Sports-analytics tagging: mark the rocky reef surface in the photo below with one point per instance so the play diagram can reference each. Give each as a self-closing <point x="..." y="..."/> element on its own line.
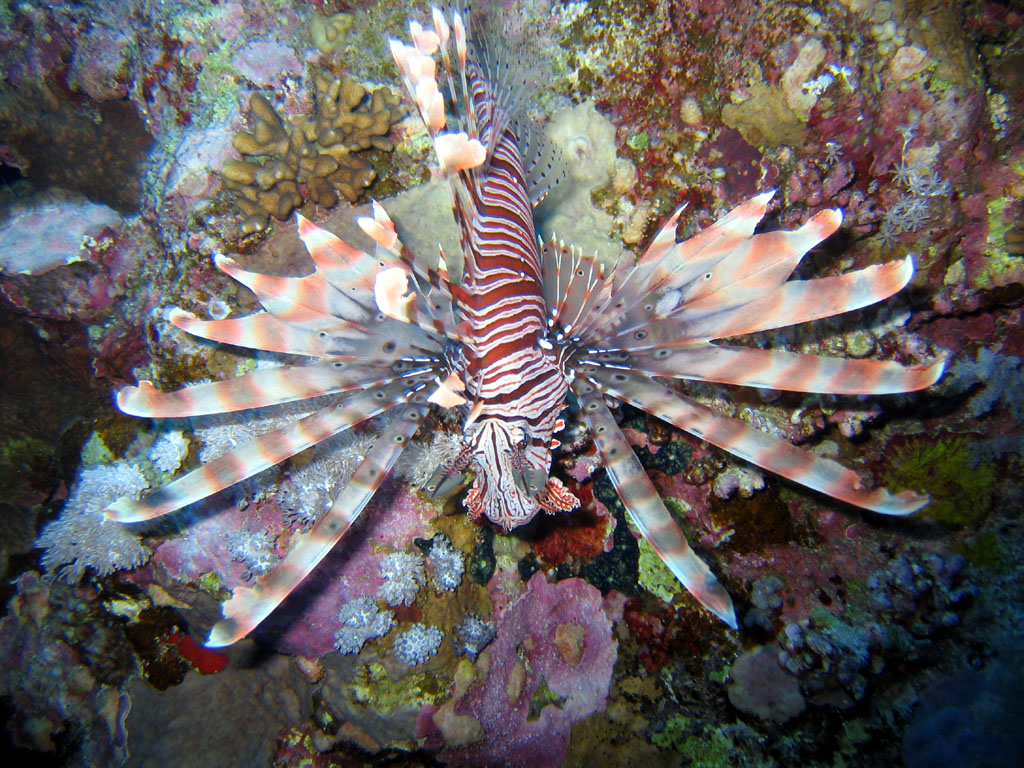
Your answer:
<point x="131" y="151"/>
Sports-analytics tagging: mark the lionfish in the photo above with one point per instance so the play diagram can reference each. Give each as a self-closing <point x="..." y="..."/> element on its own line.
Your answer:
<point x="529" y="322"/>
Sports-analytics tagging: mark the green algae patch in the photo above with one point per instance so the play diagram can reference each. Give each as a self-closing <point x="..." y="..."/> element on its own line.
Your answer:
<point x="373" y="687"/>
<point x="960" y="494"/>
<point x="716" y="750"/>
<point x="984" y="550"/>
<point x="655" y="576"/>
<point x="543" y="697"/>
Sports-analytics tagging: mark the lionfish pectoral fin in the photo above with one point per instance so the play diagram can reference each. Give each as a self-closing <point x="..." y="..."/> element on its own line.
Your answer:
<point x="755" y="446"/>
<point x="447" y="393"/>
<point x="390" y="292"/>
<point x="646" y="510"/>
<point x="780" y="369"/>
<point x="250" y="458"/>
<point x="444" y="482"/>
<point x="249" y="606"/>
<point x="557" y="498"/>
<point x="536" y="480"/>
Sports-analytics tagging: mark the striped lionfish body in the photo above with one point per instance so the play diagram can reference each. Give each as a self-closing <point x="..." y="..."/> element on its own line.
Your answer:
<point x="516" y="382"/>
<point x="505" y="345"/>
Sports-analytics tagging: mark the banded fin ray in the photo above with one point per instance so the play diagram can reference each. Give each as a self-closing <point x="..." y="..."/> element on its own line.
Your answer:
<point x="646" y="509"/>
<point x="662" y="269"/>
<point x="256" y="389"/>
<point x="757" y="447"/>
<point x="753" y="268"/>
<point x="249" y="606"/>
<point x="573" y="284"/>
<point x="774" y="369"/>
<point x="796" y="301"/>
<point x="264" y="331"/>
<point x="313" y="294"/>
<point x="265" y="451"/>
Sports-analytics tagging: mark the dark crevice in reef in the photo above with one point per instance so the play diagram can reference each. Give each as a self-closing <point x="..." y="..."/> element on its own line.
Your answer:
<point x="69" y="141"/>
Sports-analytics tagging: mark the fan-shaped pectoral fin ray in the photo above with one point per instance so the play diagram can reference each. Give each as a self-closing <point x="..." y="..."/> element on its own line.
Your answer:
<point x="796" y="301"/>
<point x="344" y="266"/>
<point x="341" y="340"/>
<point x="249" y="606"/>
<point x="778" y="369"/>
<point x="253" y="457"/>
<point x="261" y="331"/>
<point x="646" y="509"/>
<point x="257" y="389"/>
<point x="755" y="446"/>
<point x="299" y="296"/>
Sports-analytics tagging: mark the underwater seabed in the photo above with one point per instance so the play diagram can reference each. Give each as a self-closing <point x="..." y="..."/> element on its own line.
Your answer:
<point x="131" y="152"/>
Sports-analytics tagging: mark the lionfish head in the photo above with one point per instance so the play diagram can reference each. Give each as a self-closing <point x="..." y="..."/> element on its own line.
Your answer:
<point x="510" y="473"/>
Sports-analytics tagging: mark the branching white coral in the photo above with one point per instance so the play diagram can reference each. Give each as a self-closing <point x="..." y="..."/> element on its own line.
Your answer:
<point x="746" y="480"/>
<point x="418" y="643"/>
<point x="169" y="450"/>
<point x="422" y="458"/>
<point x="913" y="208"/>
<point x="83" y="538"/>
<point x="361" y="620"/>
<point x="254" y="549"/>
<point x="446" y="564"/>
<point x="310" y="489"/>
<point x="403" y="576"/>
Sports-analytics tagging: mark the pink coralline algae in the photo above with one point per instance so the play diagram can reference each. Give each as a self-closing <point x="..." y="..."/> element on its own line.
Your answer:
<point x="549" y="667"/>
<point x="308" y="623"/>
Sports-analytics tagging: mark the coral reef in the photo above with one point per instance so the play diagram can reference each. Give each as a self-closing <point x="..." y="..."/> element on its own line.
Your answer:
<point x="403" y="575"/>
<point x="520" y="709"/>
<point x="62" y="672"/>
<point x="962" y="719"/>
<point x="568" y="643"/>
<point x="285" y="164"/>
<point x="169" y="451"/>
<point x="46" y="230"/>
<point x="759" y="686"/>
<point x="254" y="549"/>
<point x="473" y="635"/>
<point x="328" y="33"/>
<point x="361" y="620"/>
<point x="82" y="538"/>
<point x="234" y="717"/>
<point x="445" y="562"/>
<point x="417" y="644"/>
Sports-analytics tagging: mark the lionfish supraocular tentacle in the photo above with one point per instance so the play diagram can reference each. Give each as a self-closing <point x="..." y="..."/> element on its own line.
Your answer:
<point x="249" y="606"/>
<point x="504" y="345"/>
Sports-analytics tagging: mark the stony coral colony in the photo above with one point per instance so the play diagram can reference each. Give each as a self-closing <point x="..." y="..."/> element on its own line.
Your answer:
<point x="614" y="331"/>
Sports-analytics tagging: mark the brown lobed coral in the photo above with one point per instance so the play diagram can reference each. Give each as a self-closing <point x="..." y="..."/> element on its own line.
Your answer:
<point x="285" y="164"/>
